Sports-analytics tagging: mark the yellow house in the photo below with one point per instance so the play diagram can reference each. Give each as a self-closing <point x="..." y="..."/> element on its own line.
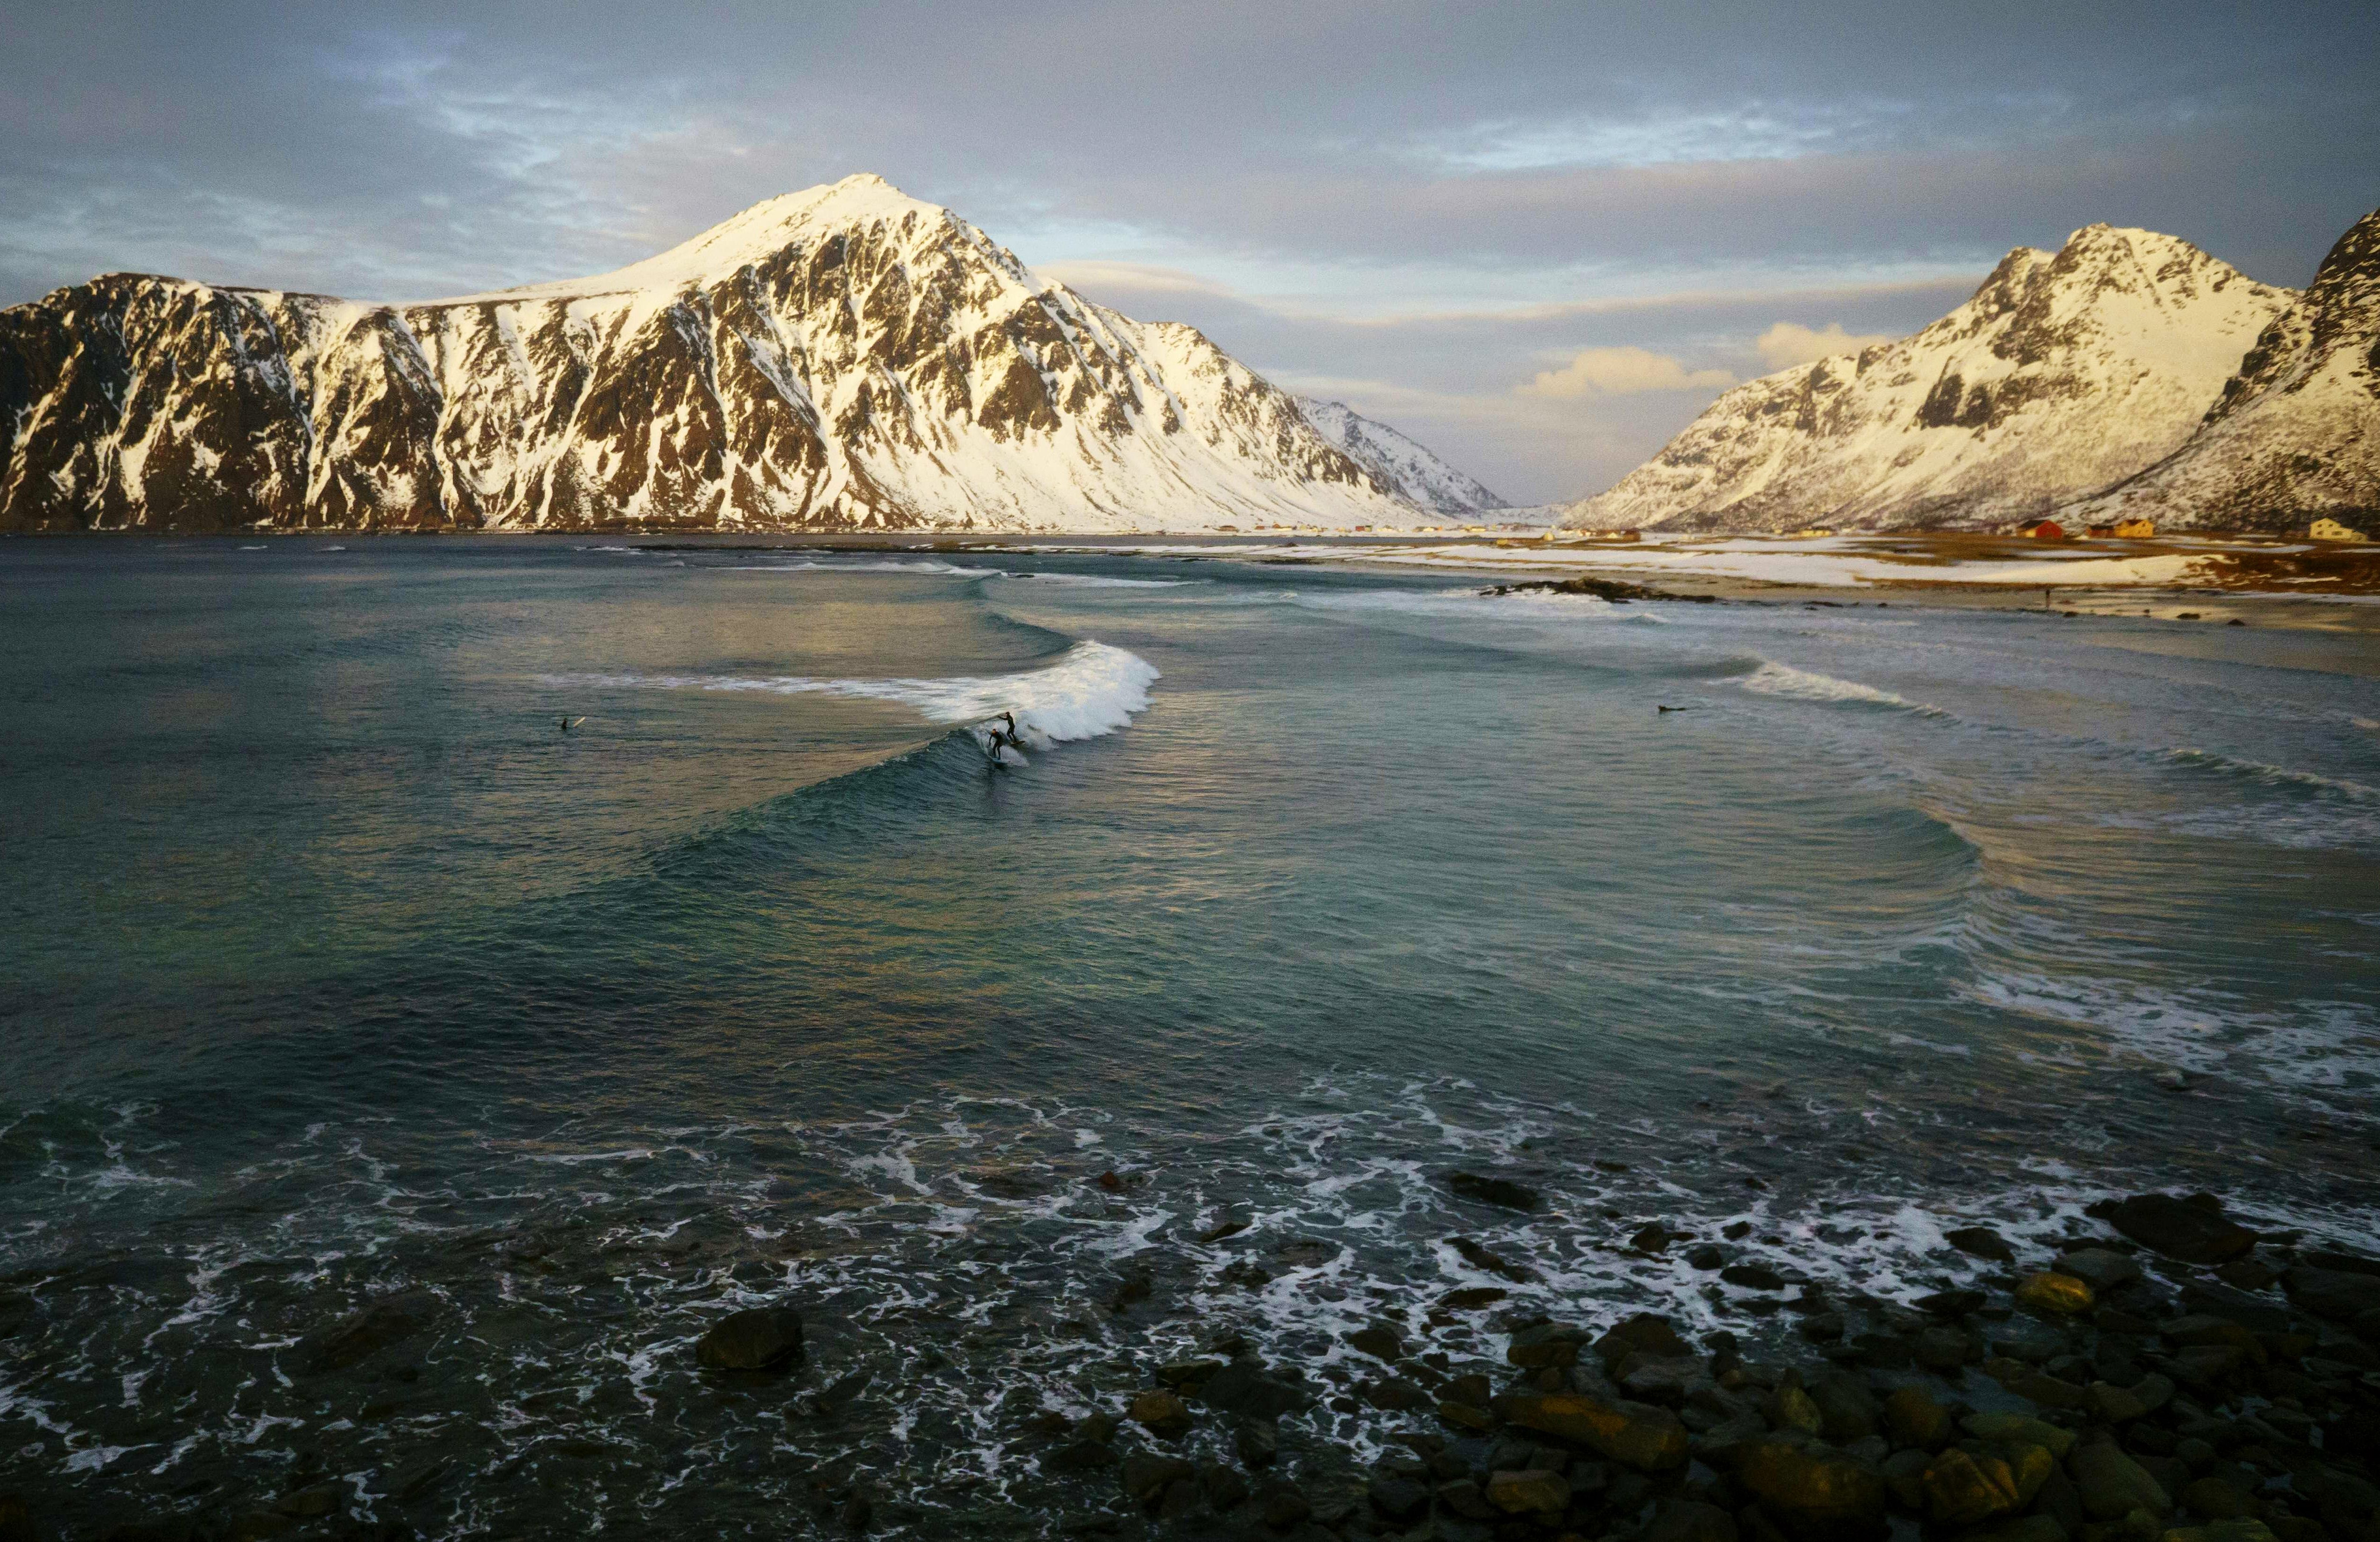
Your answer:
<point x="2331" y="529"/>
<point x="2134" y="529"/>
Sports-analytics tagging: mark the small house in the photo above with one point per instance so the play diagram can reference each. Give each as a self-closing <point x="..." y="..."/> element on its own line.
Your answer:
<point x="2331" y="529"/>
<point x="2048" y="529"/>
<point x="2136" y="529"/>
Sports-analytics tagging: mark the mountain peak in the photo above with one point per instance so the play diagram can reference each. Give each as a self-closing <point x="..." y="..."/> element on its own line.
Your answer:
<point x="2064" y="371"/>
<point x="751" y="235"/>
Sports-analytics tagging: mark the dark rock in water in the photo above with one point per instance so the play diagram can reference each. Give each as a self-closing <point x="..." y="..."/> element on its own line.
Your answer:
<point x="1146" y="1475"/>
<point x="1648" y="1333"/>
<point x="1379" y="1342"/>
<point x="1080" y="1456"/>
<point x="1952" y="1304"/>
<point x="1480" y="1257"/>
<point x="1225" y="1488"/>
<point x="1531" y="1492"/>
<point x="1753" y="1277"/>
<point x="858" y="1512"/>
<point x="2346" y="1262"/>
<point x="1942" y="1350"/>
<point x="1244" y="1388"/>
<point x="757" y="1339"/>
<point x="1911" y="1417"/>
<point x="1654" y="1238"/>
<point x="840" y="1394"/>
<point x="16" y="1520"/>
<point x="1692" y="1520"/>
<point x="1471" y="1297"/>
<point x="1394" y="1394"/>
<point x="1545" y="1343"/>
<point x="1133" y="1289"/>
<point x="1398" y="1498"/>
<point x="1464" y="1498"/>
<point x="2102" y="1268"/>
<point x="1964" y="1490"/>
<point x="1848" y="1409"/>
<point x="1257" y="1441"/>
<point x="1813" y="1490"/>
<point x="1284" y="1507"/>
<point x="1187" y="1373"/>
<point x="1635" y="1434"/>
<point x="1706" y="1257"/>
<point x="2112" y="1484"/>
<point x="1217" y="1233"/>
<point x="2192" y="1230"/>
<point x="1981" y="1242"/>
<point x="1161" y="1414"/>
<point x="358" y="1336"/>
<point x="2339" y="1294"/>
<point x="1491" y="1190"/>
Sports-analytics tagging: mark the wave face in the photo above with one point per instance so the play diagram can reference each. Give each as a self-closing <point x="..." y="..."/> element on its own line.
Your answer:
<point x="339" y="971"/>
<point x="1094" y="689"/>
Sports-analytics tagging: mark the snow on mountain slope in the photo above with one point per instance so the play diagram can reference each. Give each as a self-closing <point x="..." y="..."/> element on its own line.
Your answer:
<point x="2062" y="375"/>
<point x="1407" y="468"/>
<point x="838" y="358"/>
<point x="2295" y="434"/>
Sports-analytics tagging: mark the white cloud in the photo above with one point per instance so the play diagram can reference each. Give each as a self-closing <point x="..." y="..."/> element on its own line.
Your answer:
<point x="1788" y="343"/>
<point x="1623" y="371"/>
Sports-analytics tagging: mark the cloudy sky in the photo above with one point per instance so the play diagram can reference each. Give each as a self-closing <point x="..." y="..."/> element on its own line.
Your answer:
<point x="1537" y="237"/>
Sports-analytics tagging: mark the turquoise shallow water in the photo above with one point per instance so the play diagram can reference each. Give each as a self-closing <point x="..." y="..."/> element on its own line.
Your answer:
<point x="332" y="969"/>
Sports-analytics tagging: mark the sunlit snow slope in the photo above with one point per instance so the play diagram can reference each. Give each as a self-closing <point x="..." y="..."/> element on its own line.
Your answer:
<point x="2064" y="374"/>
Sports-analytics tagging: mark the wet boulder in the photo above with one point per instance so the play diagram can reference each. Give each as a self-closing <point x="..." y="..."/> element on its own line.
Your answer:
<point x="1813" y="1490"/>
<point x="1530" y="1492"/>
<point x="1162" y="1413"/>
<point x="2051" y="1294"/>
<point x="2112" y="1484"/>
<point x="2102" y="1268"/>
<point x="2339" y="1294"/>
<point x="1647" y="1332"/>
<point x="757" y="1339"/>
<point x="1981" y="1242"/>
<point x="363" y="1334"/>
<point x="2192" y="1229"/>
<point x="1635" y="1434"/>
<point x="1490" y="1190"/>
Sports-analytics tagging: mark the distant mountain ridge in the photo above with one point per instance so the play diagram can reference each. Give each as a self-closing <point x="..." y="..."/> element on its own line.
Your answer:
<point x="2063" y="374"/>
<point x="845" y="357"/>
<point x="1407" y="468"/>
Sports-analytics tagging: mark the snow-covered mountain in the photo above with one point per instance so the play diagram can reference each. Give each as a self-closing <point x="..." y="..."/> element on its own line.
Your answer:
<point x="1407" y="468"/>
<point x="2295" y="433"/>
<point x="843" y="356"/>
<point x="2064" y="374"/>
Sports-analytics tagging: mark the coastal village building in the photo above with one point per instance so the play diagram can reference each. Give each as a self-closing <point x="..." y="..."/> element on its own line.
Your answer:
<point x="2048" y="529"/>
<point x="2331" y="529"/>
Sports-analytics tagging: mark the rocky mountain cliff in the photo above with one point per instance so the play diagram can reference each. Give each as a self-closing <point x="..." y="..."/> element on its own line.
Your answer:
<point x="2064" y="374"/>
<point x="2295" y="433"/>
<point x="1405" y="468"/>
<point x="840" y="357"/>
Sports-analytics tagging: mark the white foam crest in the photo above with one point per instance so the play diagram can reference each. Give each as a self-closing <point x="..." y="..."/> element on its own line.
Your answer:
<point x="2258" y="770"/>
<point x="920" y="567"/>
<point x="1804" y="684"/>
<point x="1094" y="581"/>
<point x="1093" y="689"/>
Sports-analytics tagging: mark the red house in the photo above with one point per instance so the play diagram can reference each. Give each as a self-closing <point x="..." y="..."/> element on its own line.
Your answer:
<point x="2048" y="529"/>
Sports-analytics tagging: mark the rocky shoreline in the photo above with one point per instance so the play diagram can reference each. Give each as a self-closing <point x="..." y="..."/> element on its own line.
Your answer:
<point x="2159" y="1373"/>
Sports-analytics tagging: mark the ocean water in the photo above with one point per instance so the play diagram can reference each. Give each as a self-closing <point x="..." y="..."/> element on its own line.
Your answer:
<point x="333" y="967"/>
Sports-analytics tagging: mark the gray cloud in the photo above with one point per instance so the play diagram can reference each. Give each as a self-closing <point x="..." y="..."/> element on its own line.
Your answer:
<point x="1427" y="204"/>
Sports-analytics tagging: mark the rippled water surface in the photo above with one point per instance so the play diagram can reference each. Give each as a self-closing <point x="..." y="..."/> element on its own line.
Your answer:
<point x="334" y="968"/>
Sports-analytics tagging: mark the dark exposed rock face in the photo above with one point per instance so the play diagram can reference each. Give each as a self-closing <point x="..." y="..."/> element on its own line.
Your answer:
<point x="758" y="1338"/>
<point x="838" y="358"/>
<point x="2193" y="1231"/>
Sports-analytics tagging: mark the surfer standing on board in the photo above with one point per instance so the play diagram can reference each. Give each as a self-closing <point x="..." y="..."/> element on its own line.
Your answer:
<point x="1007" y="740"/>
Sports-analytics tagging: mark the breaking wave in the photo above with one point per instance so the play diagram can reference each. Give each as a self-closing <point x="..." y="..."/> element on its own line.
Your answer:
<point x="1802" y="684"/>
<point x="1091" y="690"/>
